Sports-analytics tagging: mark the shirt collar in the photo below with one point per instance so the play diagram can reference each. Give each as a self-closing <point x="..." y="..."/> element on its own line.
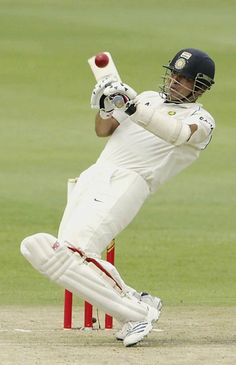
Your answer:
<point x="183" y="105"/>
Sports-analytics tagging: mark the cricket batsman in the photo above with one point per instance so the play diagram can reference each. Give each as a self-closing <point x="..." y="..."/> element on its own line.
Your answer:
<point x="152" y="137"/>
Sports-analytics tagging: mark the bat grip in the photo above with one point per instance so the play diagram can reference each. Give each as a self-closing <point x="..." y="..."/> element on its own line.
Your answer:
<point x="119" y="101"/>
<point x="101" y="102"/>
<point x="131" y="109"/>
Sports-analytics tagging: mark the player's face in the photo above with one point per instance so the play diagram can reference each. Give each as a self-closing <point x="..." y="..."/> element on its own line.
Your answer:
<point x="179" y="87"/>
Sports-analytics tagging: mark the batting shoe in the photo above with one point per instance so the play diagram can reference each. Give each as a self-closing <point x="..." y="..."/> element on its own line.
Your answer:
<point x="153" y="302"/>
<point x="136" y="332"/>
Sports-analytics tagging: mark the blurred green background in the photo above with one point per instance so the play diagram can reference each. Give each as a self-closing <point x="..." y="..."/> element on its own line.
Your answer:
<point x="182" y="244"/>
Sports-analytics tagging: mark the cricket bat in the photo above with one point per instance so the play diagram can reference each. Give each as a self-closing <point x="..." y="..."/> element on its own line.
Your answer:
<point x="102" y="65"/>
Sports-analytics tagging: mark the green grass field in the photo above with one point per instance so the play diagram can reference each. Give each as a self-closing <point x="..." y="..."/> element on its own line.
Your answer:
<point x="182" y="244"/>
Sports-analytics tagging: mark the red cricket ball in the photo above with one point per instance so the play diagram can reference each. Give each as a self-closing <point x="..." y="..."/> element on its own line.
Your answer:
<point x="101" y="60"/>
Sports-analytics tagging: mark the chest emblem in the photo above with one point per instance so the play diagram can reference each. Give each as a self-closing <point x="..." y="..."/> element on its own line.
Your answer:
<point x="171" y="112"/>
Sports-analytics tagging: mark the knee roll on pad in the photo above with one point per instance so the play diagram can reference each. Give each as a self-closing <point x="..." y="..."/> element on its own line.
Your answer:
<point x="38" y="249"/>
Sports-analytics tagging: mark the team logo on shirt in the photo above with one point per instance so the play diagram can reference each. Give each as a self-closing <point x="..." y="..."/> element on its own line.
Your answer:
<point x="171" y="112"/>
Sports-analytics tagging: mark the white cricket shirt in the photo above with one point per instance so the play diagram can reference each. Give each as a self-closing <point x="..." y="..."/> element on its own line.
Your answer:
<point x="134" y="148"/>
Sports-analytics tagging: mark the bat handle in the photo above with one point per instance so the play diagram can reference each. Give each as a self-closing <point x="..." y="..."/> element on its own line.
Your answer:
<point x="131" y="109"/>
<point x="119" y="101"/>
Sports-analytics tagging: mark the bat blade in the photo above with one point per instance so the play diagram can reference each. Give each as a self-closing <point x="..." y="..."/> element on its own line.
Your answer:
<point x="101" y="72"/>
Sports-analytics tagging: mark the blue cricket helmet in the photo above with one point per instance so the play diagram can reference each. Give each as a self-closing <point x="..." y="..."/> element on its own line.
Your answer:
<point x="195" y="65"/>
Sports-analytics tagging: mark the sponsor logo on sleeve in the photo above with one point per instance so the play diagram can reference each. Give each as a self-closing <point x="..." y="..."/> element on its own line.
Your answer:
<point x="202" y="119"/>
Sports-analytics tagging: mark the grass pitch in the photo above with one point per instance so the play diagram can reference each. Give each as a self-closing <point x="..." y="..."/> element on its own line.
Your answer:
<point x="182" y="244"/>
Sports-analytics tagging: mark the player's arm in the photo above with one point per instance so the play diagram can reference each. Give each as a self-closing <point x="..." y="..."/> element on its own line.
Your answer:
<point x="105" y="127"/>
<point x="169" y="128"/>
<point x="193" y="129"/>
<point x="205" y="126"/>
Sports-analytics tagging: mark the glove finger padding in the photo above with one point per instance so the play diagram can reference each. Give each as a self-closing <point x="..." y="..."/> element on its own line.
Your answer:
<point x="98" y="91"/>
<point x="106" y="107"/>
<point x="121" y="89"/>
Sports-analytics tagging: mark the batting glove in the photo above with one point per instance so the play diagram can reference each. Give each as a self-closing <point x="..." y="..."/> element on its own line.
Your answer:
<point x="119" y="88"/>
<point x="98" y="91"/>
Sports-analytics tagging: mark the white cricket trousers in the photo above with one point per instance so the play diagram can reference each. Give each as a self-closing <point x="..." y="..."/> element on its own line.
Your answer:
<point x="103" y="202"/>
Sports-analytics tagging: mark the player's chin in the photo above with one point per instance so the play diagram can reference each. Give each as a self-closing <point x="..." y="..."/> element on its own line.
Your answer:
<point x="173" y="97"/>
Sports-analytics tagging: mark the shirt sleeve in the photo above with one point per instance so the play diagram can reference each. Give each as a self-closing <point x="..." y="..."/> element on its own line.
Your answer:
<point x="206" y="125"/>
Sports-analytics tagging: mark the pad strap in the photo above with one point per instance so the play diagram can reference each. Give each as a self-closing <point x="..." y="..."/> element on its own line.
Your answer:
<point x="96" y="263"/>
